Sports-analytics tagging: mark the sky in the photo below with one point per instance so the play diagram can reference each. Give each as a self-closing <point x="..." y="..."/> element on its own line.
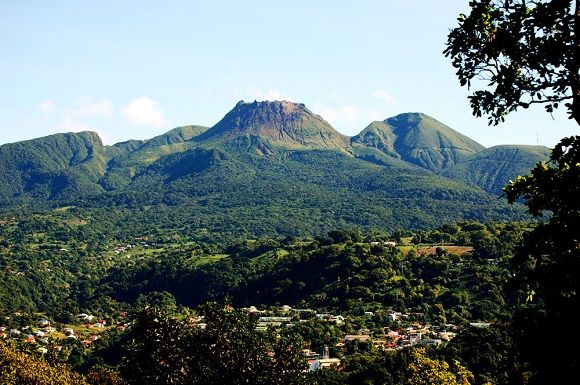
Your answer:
<point x="136" y="69"/>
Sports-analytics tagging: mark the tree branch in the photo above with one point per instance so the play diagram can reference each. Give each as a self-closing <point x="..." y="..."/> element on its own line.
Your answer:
<point x="576" y="66"/>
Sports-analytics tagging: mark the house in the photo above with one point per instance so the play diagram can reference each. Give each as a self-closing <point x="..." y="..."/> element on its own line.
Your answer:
<point x="393" y="316"/>
<point x="429" y="341"/>
<point x="357" y="337"/>
<point x="480" y="325"/>
<point x="85" y="317"/>
<point x="337" y="319"/>
<point x="263" y="326"/>
<point x="43" y="322"/>
<point x="323" y="363"/>
<point x="446" y="336"/>
<point x="393" y="334"/>
<point x="274" y="319"/>
<point x="309" y="354"/>
<point x="414" y="337"/>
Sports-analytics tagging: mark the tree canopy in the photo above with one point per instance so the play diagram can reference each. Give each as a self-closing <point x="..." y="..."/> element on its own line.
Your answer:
<point x="226" y="350"/>
<point x="528" y="52"/>
<point x="547" y="265"/>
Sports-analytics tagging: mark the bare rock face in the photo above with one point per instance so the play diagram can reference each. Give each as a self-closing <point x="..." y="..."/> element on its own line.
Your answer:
<point x="282" y="123"/>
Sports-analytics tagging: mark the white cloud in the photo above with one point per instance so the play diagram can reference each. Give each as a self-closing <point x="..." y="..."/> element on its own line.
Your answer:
<point x="346" y="113"/>
<point x="269" y="95"/>
<point x="252" y="93"/>
<point x="384" y="96"/>
<point x="349" y="119"/>
<point x="87" y="106"/>
<point x="145" y="111"/>
<point x="47" y="106"/>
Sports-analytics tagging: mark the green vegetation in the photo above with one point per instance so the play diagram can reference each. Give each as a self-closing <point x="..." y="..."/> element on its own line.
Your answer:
<point x="228" y="350"/>
<point x="44" y="260"/>
<point x="419" y="139"/>
<point x="546" y="266"/>
<point x="492" y="167"/>
<point x="111" y="257"/>
<point x="527" y="52"/>
<point x="55" y="266"/>
<point x="267" y="169"/>
<point x="18" y="368"/>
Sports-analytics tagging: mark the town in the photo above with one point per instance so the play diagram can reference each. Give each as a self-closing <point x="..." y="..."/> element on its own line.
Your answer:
<point x="402" y="330"/>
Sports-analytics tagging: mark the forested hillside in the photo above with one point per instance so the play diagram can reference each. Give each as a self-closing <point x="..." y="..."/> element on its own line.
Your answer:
<point x="266" y="169"/>
<point x="94" y="290"/>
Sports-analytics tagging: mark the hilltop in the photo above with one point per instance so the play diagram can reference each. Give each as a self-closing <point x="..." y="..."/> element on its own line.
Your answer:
<point x="268" y="168"/>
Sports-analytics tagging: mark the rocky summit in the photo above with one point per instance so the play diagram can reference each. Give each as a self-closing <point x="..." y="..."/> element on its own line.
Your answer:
<point x="270" y="168"/>
<point x="280" y="123"/>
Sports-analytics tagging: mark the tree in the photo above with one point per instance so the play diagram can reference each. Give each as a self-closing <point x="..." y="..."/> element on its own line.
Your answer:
<point x="487" y="352"/>
<point x="547" y="266"/>
<point x="19" y="368"/>
<point x="157" y="350"/>
<point x="528" y="52"/>
<point x="165" y="350"/>
<point x="423" y="370"/>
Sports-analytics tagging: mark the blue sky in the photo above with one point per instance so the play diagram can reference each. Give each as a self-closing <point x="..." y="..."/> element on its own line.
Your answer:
<point x="135" y="69"/>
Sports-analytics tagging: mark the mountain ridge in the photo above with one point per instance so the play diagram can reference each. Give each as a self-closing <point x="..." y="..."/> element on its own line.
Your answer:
<point x="268" y="166"/>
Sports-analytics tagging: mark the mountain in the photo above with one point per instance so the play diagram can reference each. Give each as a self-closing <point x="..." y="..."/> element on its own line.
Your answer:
<point x="266" y="168"/>
<point x="492" y="168"/>
<point x="419" y="139"/>
<point x="278" y="124"/>
<point x="56" y="165"/>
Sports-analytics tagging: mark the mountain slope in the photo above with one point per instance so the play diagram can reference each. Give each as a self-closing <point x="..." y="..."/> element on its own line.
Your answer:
<point x="278" y="124"/>
<point x="268" y="168"/>
<point x="52" y="166"/>
<point x="209" y="194"/>
<point x="492" y="168"/>
<point x="377" y="135"/>
<point x="419" y="139"/>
